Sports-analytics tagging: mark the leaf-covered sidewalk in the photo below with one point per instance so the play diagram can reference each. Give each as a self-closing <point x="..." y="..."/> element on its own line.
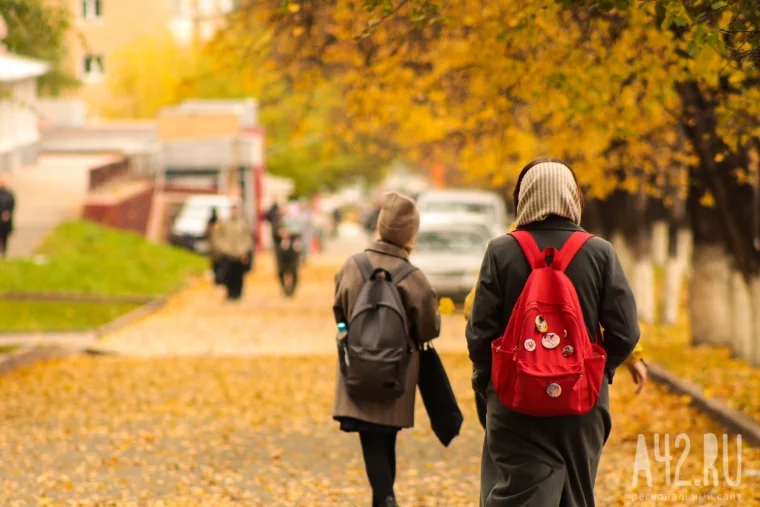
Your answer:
<point x="255" y="429"/>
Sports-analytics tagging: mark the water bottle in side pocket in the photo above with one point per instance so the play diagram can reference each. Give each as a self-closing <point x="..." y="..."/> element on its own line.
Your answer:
<point x="341" y="340"/>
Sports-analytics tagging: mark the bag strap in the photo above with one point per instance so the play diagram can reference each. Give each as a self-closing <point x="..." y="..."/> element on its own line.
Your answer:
<point x="572" y="245"/>
<point x="365" y="265"/>
<point x="530" y="248"/>
<point x="400" y="273"/>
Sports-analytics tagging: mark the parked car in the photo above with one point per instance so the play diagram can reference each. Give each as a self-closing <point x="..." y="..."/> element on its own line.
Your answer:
<point x="481" y="202"/>
<point x="450" y="250"/>
<point x="189" y="229"/>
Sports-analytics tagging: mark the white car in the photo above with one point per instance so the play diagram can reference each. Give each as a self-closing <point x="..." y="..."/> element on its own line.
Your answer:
<point x="189" y="229"/>
<point x="488" y="204"/>
<point x="450" y="250"/>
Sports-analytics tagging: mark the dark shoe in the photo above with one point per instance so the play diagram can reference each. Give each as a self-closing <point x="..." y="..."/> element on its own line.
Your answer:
<point x="389" y="502"/>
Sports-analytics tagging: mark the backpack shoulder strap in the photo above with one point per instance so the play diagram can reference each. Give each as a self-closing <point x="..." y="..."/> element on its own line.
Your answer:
<point x="529" y="248"/>
<point x="401" y="272"/>
<point x="566" y="254"/>
<point x="365" y="265"/>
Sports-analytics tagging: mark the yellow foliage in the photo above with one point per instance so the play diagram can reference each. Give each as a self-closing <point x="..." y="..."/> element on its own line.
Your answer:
<point x="146" y="76"/>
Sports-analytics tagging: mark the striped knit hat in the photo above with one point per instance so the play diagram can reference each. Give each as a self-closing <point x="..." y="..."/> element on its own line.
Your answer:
<point x="548" y="188"/>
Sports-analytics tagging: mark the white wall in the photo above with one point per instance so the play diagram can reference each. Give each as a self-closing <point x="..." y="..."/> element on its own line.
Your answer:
<point x="18" y="117"/>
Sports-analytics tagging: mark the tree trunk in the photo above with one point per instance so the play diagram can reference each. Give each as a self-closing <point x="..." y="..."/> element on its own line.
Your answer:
<point x="710" y="297"/>
<point x="710" y="302"/>
<point x="660" y="233"/>
<point x="677" y="262"/>
<point x="731" y="220"/>
<point x="617" y="222"/>
<point x="642" y="282"/>
<point x="672" y="286"/>
<point x="742" y="320"/>
<point x="591" y="219"/>
<point x="754" y="348"/>
<point x="685" y="251"/>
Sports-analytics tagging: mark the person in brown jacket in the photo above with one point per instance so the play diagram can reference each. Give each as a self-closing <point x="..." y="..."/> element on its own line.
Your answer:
<point x="379" y="423"/>
<point x="234" y="242"/>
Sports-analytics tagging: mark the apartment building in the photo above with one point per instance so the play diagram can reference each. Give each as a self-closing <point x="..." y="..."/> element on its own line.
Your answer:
<point x="103" y="27"/>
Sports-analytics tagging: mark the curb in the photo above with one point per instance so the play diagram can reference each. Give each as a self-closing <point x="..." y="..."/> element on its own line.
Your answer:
<point x="143" y="311"/>
<point x="733" y="420"/>
<point x="29" y="355"/>
<point x="130" y="317"/>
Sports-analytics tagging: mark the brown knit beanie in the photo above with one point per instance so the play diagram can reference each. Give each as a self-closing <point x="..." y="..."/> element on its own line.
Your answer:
<point x="399" y="220"/>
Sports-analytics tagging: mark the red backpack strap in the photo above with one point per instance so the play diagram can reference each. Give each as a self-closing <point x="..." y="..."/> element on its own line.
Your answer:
<point x="566" y="254"/>
<point x="529" y="248"/>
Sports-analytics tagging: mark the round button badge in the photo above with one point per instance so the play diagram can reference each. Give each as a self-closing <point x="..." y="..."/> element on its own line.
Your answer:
<point x="541" y="324"/>
<point x="568" y="351"/>
<point x="554" y="390"/>
<point x="530" y="345"/>
<point x="550" y="340"/>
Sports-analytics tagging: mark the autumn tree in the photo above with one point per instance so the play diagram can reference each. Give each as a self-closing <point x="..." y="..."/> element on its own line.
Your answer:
<point x="38" y="29"/>
<point x="633" y="96"/>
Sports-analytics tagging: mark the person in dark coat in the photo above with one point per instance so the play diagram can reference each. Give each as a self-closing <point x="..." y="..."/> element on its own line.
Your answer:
<point x="7" y="209"/>
<point x="289" y="244"/>
<point x="379" y="423"/>
<point x="548" y="461"/>
<point x="216" y="264"/>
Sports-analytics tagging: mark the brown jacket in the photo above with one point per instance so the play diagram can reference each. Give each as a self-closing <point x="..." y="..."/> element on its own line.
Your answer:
<point x="421" y="305"/>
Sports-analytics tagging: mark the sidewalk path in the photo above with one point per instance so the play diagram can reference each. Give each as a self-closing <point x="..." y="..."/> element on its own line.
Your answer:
<point x="219" y="404"/>
<point x="48" y="192"/>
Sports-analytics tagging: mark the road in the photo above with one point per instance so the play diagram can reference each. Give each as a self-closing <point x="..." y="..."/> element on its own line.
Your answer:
<point x="211" y="403"/>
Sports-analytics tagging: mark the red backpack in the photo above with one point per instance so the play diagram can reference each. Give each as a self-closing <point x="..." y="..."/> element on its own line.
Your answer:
<point x="545" y="363"/>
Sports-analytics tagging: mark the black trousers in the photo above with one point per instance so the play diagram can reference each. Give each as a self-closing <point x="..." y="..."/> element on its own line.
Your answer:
<point x="379" y="449"/>
<point x="4" y="235"/>
<point x="234" y="279"/>
<point x="545" y="461"/>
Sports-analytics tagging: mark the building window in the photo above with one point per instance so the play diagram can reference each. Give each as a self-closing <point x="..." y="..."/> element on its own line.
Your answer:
<point x="92" y="9"/>
<point x="92" y="68"/>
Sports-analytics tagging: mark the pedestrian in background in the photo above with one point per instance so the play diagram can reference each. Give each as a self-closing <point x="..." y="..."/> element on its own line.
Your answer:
<point x="307" y="228"/>
<point x="234" y="242"/>
<point x="7" y="209"/>
<point x="378" y="423"/>
<point x="216" y="265"/>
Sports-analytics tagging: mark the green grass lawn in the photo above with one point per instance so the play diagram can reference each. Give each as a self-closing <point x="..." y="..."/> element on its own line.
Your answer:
<point x="85" y="258"/>
<point x="7" y="349"/>
<point x="26" y="316"/>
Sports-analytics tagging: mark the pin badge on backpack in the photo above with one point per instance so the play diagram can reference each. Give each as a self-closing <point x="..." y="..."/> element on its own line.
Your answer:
<point x="554" y="390"/>
<point x="568" y="351"/>
<point x="530" y="345"/>
<point x="541" y="324"/>
<point x="550" y="340"/>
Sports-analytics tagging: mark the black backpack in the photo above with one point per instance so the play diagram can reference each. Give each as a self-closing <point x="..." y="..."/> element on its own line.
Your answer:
<point x="378" y="346"/>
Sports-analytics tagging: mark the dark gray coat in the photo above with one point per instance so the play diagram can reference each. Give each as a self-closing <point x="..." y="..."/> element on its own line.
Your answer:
<point x="551" y="460"/>
<point x="603" y="290"/>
